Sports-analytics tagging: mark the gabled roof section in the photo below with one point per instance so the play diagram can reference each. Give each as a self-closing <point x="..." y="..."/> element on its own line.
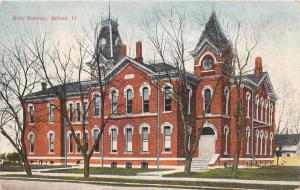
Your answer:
<point x="287" y="139"/>
<point x="255" y="81"/>
<point x="212" y="35"/>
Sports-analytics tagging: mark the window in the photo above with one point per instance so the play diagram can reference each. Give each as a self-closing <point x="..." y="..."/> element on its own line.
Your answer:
<point x="145" y="139"/>
<point x="207" y="99"/>
<point x="271" y="146"/>
<point x="128" y="101"/>
<point x="144" y="165"/>
<point x="70" y="142"/>
<point x="85" y="111"/>
<point x="70" y="112"/>
<point x="30" y="110"/>
<point x="189" y="93"/>
<point x="78" y="138"/>
<point x="128" y="139"/>
<point x="257" y="142"/>
<point x="266" y="111"/>
<point x="226" y="94"/>
<point x="257" y="105"/>
<point x="97" y="104"/>
<point x="31" y="143"/>
<point x="266" y="142"/>
<point x="145" y="99"/>
<point x="248" y="98"/>
<point x="261" y="109"/>
<point x="96" y="133"/>
<point x="167" y="138"/>
<point x="247" y="140"/>
<point x="128" y="165"/>
<point x="114" y="165"/>
<point x="51" y="142"/>
<point x="261" y="142"/>
<point x="114" y="102"/>
<point x="51" y="112"/>
<point x="78" y="112"/>
<point x="226" y="132"/>
<point x="167" y="98"/>
<point x="114" y="140"/>
<point x="208" y="63"/>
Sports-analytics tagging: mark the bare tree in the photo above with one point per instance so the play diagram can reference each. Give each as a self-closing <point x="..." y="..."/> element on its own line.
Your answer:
<point x="169" y="36"/>
<point x="18" y="78"/>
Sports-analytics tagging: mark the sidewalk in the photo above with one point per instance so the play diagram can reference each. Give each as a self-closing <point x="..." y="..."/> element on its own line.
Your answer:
<point x="238" y="181"/>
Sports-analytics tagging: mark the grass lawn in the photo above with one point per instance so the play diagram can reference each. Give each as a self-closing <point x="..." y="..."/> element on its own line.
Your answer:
<point x="148" y="183"/>
<point x="20" y="168"/>
<point x="104" y="171"/>
<point x="280" y="173"/>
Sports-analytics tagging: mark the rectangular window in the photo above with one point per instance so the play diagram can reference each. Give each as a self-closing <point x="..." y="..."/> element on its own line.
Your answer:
<point x="145" y="100"/>
<point x="145" y="139"/>
<point x="97" y="104"/>
<point x="77" y="147"/>
<point x="114" y="103"/>
<point x="168" y="98"/>
<point x="114" y="140"/>
<point x="129" y="101"/>
<point x="70" y="110"/>
<point x="78" y="113"/>
<point x="70" y="143"/>
<point x="129" y="140"/>
<point x="51" y="113"/>
<point x="189" y="96"/>
<point x="85" y="111"/>
<point x="96" y="133"/>
<point x="167" y="138"/>
<point x="31" y="143"/>
<point x="51" y="142"/>
<point x="30" y="114"/>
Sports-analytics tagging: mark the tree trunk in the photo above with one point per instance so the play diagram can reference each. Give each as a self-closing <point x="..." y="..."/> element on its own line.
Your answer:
<point x="27" y="167"/>
<point x="188" y="163"/>
<point x="235" y="164"/>
<point x="277" y="160"/>
<point x="86" y="167"/>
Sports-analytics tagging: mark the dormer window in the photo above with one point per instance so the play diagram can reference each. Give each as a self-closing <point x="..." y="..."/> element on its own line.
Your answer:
<point x="208" y="63"/>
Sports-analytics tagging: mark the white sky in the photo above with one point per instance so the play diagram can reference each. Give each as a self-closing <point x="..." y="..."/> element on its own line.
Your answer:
<point x="279" y="45"/>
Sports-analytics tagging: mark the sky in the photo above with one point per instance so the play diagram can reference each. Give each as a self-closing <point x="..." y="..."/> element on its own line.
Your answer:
<point x="279" y="45"/>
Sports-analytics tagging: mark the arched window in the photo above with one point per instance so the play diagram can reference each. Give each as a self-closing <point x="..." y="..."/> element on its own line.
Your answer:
<point x="95" y="135"/>
<point x="226" y="94"/>
<point x="113" y="131"/>
<point x="78" y="134"/>
<point x="114" y="102"/>
<point x="257" y="142"/>
<point x="189" y="94"/>
<point x="31" y="142"/>
<point x="271" y="114"/>
<point x="257" y="105"/>
<point x="261" y="109"/>
<point x="226" y="132"/>
<point x="167" y="138"/>
<point x="128" y="135"/>
<point x="85" y="111"/>
<point x="248" y="140"/>
<point x="78" y="112"/>
<point x="51" y="112"/>
<point x="248" y="98"/>
<point x="167" y="98"/>
<point x="70" y="136"/>
<point x="97" y="104"/>
<point x="261" y="142"/>
<point x="266" y="142"/>
<point x="30" y="112"/>
<point x="266" y="111"/>
<point x="70" y="112"/>
<point x="50" y="142"/>
<point x="144" y="131"/>
<point x="271" y="146"/>
<point x="145" y="92"/>
<point x="129" y="101"/>
<point x="207" y="99"/>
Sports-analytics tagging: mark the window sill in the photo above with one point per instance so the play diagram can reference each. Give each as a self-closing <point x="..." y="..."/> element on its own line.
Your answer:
<point x="167" y="112"/>
<point x="31" y="124"/>
<point x="127" y="152"/>
<point x="206" y="71"/>
<point x="113" y="153"/>
<point x="96" y="116"/>
<point x="166" y="152"/>
<point x="51" y="153"/>
<point x="144" y="152"/>
<point x="31" y="153"/>
<point x="51" y="123"/>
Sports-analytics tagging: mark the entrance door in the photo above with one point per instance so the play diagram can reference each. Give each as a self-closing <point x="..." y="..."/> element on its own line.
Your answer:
<point x="207" y="143"/>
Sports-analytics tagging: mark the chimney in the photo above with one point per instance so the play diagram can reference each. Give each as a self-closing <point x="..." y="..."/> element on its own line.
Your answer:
<point x="138" y="51"/>
<point x="123" y="52"/>
<point x="44" y="85"/>
<point x="258" y="66"/>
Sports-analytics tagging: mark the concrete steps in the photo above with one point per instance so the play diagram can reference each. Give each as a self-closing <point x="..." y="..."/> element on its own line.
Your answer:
<point x="200" y="164"/>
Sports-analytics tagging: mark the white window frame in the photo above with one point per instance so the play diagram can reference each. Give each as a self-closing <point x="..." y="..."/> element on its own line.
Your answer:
<point x="77" y="147"/>
<point x="261" y="142"/>
<point x="190" y="91"/>
<point x="167" y="124"/>
<point x="70" y="112"/>
<point x="248" y="99"/>
<point x="97" y="105"/>
<point x="78" y="112"/>
<point x="266" y="141"/>
<point x="226" y="133"/>
<point x="257" y="105"/>
<point x="203" y="97"/>
<point x="113" y="143"/>
<point x="30" y="112"/>
<point x="70" y="138"/>
<point x="31" y="142"/>
<point x="128" y="145"/>
<point x="143" y="98"/>
<point x="51" y="108"/>
<point x="114" y="106"/>
<point x="257" y="142"/>
<point x="95" y="138"/>
<point x="248" y="140"/>
<point x="144" y="143"/>
<point x="167" y="85"/>
<point x="51" y="144"/>
<point x="271" y="140"/>
<point x="128" y="87"/>
<point x="266" y="111"/>
<point x="261" y="109"/>
<point x="226" y="94"/>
